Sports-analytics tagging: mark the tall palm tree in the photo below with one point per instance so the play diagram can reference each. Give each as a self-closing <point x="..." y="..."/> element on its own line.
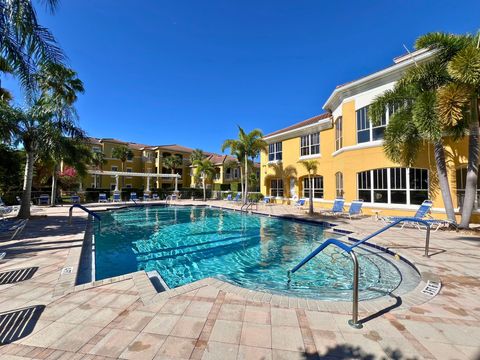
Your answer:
<point x="24" y="43"/>
<point x="311" y="166"/>
<point x="197" y="154"/>
<point x="280" y="172"/>
<point x="238" y="152"/>
<point x="122" y="153"/>
<point x="98" y="160"/>
<point x="248" y="146"/>
<point x="458" y="100"/>
<point x="173" y="163"/>
<point x="205" y="170"/>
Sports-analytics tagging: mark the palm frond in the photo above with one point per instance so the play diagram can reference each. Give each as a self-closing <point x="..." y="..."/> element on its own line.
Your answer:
<point x="465" y="66"/>
<point x="453" y="101"/>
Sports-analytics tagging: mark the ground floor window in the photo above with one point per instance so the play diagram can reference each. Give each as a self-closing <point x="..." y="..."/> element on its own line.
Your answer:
<point x="339" y="185"/>
<point x="317" y="187"/>
<point x="407" y="186"/>
<point x="461" y="181"/>
<point x="276" y="187"/>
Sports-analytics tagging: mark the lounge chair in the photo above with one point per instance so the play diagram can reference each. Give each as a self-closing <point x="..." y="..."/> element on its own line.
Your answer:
<point x="116" y="197"/>
<point x="238" y="197"/>
<point x="422" y="212"/>
<point x="299" y="204"/>
<point x="155" y="197"/>
<point x="102" y="198"/>
<point x="75" y="199"/>
<point x="229" y="197"/>
<point x="146" y="197"/>
<point x="355" y="209"/>
<point x="133" y="196"/>
<point x="2" y="255"/>
<point x="44" y="199"/>
<point x="16" y="226"/>
<point x="336" y="209"/>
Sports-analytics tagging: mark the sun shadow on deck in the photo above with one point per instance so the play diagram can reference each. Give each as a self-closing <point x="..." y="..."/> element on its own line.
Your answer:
<point x="347" y="351"/>
<point x="14" y="276"/>
<point x="17" y="324"/>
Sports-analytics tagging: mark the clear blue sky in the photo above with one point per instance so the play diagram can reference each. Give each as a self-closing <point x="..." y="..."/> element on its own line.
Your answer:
<point x="187" y="72"/>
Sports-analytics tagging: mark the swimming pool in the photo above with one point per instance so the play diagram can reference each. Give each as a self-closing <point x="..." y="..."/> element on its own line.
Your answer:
<point x="185" y="244"/>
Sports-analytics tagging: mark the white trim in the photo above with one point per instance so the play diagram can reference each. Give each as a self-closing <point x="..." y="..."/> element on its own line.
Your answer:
<point x="120" y="173"/>
<point x="274" y="162"/>
<point x="365" y="145"/>
<point x="322" y="124"/>
<point x="308" y="157"/>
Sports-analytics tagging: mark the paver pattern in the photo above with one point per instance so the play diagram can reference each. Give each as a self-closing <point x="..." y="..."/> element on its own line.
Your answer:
<point x="124" y="318"/>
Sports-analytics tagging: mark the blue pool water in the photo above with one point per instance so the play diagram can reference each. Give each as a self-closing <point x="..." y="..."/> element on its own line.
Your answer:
<point x="185" y="244"/>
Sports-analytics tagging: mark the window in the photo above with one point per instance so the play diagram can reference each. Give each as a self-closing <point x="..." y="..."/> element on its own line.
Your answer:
<point x="310" y="144"/>
<point x="338" y="133"/>
<point x="114" y="168"/>
<point x="276" y="188"/>
<point x="317" y="187"/>
<point x="112" y="186"/>
<point x="407" y="186"/>
<point x="339" y="184"/>
<point x="129" y="186"/>
<point x="96" y="149"/>
<point x="130" y="157"/>
<point x="275" y="152"/>
<point x="461" y="181"/>
<point x="366" y="131"/>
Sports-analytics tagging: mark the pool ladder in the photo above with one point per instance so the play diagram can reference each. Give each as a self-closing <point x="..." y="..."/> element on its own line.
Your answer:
<point x="350" y="250"/>
<point x="249" y="205"/>
<point x="81" y="207"/>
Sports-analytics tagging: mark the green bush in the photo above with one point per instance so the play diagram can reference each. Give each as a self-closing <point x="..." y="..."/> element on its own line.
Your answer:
<point x="225" y="187"/>
<point x="255" y="197"/>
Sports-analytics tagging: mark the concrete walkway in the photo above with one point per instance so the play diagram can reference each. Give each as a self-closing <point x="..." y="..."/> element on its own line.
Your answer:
<point x="125" y="318"/>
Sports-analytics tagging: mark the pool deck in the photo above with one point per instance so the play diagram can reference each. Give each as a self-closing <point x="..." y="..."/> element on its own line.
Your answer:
<point x="43" y="315"/>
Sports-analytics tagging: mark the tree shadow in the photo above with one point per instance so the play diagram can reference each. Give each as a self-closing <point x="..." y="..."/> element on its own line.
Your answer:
<point x="347" y="351"/>
<point x="19" y="323"/>
<point x="14" y="276"/>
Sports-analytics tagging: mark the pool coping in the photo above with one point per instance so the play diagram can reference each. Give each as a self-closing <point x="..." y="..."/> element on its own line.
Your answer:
<point x="149" y="294"/>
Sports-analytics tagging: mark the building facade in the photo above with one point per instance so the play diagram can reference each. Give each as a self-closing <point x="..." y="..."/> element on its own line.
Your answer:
<point x="351" y="163"/>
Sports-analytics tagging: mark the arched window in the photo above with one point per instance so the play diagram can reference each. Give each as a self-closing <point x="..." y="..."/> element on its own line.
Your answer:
<point x="339" y="184"/>
<point x="461" y="181"/>
<point x="393" y="185"/>
<point x="317" y="187"/>
<point x="338" y="133"/>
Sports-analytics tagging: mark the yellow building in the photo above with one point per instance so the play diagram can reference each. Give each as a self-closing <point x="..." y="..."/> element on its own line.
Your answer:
<point x="350" y="157"/>
<point x="146" y="159"/>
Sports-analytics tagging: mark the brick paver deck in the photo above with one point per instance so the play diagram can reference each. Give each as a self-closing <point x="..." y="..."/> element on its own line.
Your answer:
<point x="124" y="318"/>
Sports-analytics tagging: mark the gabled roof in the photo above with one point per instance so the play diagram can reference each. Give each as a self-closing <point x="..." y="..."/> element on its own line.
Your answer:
<point x="300" y="124"/>
<point x="175" y="147"/>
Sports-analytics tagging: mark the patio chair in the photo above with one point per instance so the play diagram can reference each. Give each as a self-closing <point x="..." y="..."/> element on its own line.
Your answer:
<point x="116" y="197"/>
<point x="238" y="197"/>
<point x="422" y="212"/>
<point x="336" y="209"/>
<point x="102" y="197"/>
<point x="44" y="199"/>
<point x="146" y="197"/>
<point x="299" y="204"/>
<point x="229" y="197"/>
<point x="355" y="209"/>
<point x="2" y="255"/>
<point x="155" y="197"/>
<point x="133" y="196"/>
<point x="436" y="224"/>
<point x="75" y="199"/>
<point x="16" y="226"/>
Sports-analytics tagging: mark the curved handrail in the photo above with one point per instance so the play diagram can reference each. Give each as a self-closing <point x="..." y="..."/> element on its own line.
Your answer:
<point x="349" y="248"/>
<point x="95" y="215"/>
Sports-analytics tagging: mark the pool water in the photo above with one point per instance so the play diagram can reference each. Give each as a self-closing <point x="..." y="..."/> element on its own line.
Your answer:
<point x="185" y="244"/>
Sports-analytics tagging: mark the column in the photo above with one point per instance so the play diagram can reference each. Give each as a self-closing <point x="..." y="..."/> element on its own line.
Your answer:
<point x="148" y="185"/>
<point x="116" y="184"/>
<point x="176" y="183"/>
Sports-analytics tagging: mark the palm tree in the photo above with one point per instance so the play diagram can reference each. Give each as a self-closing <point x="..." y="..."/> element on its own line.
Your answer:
<point x="24" y="43"/>
<point x="281" y="172"/>
<point x="122" y="153"/>
<point x="205" y="170"/>
<point x="311" y="166"/>
<point x="248" y="146"/>
<point x="172" y="162"/>
<point x="197" y="154"/>
<point x="237" y="151"/>
<point x="98" y="160"/>
<point x="457" y="101"/>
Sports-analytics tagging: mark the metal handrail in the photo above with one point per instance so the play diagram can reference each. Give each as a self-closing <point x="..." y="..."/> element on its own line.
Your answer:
<point x="349" y="249"/>
<point x="247" y="205"/>
<point x="95" y="215"/>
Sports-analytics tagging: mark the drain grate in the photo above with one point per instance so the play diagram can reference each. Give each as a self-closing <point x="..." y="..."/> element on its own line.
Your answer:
<point x="432" y="288"/>
<point x="67" y="270"/>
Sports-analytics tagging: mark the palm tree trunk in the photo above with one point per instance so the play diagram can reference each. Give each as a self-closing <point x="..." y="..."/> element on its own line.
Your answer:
<point x="54" y="186"/>
<point x="246" y="179"/>
<point x="310" y="196"/>
<point x="241" y="180"/>
<point x="204" y="189"/>
<point x="439" y="152"/>
<point x="24" y="212"/>
<point x="472" y="167"/>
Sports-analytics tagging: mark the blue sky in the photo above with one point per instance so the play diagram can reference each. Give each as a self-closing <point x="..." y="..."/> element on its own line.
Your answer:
<point x="186" y="72"/>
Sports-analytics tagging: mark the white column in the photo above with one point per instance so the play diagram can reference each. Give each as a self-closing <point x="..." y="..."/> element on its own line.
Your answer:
<point x="95" y="181"/>
<point x="116" y="183"/>
<point x="176" y="183"/>
<point x="148" y="184"/>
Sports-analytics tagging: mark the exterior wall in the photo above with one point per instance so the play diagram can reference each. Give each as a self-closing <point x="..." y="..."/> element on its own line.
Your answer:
<point x="354" y="158"/>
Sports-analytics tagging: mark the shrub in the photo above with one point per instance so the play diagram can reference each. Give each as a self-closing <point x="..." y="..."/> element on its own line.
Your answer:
<point x="255" y="197"/>
<point x="225" y="187"/>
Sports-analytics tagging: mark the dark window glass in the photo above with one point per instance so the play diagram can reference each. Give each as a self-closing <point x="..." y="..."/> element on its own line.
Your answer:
<point x="365" y="195"/>
<point x="378" y="133"/>
<point x="399" y="196"/>
<point x="380" y="196"/>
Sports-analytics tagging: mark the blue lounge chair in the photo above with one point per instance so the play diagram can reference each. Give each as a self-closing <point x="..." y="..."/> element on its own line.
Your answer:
<point x="133" y="196"/>
<point x="116" y="197"/>
<point x="102" y="198"/>
<point x="299" y="204"/>
<point x="421" y="213"/>
<point x="155" y="197"/>
<point x="355" y="209"/>
<point x="4" y="209"/>
<point x="238" y="197"/>
<point x="44" y="199"/>
<point x="229" y="197"/>
<point x="336" y="209"/>
<point x="146" y="197"/>
<point x="75" y="199"/>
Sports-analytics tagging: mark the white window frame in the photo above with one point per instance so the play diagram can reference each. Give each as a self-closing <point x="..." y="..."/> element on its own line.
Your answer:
<point x="375" y="172"/>
<point x="339" y="184"/>
<point x="368" y="123"/>
<point x="275" y="152"/>
<point x="306" y="181"/>
<point x="460" y="191"/>
<point x="338" y="133"/>
<point x="114" y="168"/>
<point x="307" y="144"/>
